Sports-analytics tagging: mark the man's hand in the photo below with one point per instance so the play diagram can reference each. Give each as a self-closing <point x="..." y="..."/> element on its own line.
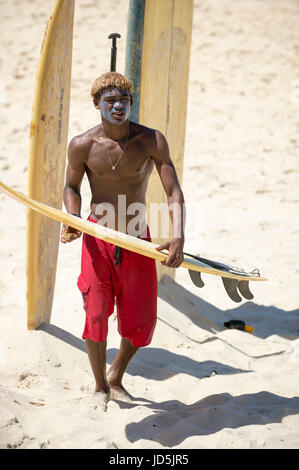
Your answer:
<point x="68" y="234"/>
<point x="175" y="256"/>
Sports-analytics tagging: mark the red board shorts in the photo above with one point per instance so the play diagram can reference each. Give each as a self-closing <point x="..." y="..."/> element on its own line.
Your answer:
<point x="133" y="283"/>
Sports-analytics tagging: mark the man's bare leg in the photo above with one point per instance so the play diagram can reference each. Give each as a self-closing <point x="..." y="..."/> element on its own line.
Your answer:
<point x="97" y="358"/>
<point x="118" y="367"/>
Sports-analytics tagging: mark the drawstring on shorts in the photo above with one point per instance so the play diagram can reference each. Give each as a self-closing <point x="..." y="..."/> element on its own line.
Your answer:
<point x="118" y="255"/>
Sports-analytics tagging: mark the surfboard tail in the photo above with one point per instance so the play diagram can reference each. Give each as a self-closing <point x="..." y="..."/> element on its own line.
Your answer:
<point x="233" y="287"/>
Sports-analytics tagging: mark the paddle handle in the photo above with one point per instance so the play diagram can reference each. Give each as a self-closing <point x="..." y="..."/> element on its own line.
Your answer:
<point x="113" y="36"/>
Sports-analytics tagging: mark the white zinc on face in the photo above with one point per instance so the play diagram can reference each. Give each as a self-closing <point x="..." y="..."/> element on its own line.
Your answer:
<point x="115" y="105"/>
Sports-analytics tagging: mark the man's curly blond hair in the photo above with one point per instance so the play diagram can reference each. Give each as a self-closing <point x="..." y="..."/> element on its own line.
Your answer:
<point x="110" y="79"/>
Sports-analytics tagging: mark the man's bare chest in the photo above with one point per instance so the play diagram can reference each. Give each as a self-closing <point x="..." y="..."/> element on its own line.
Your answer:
<point x="119" y="160"/>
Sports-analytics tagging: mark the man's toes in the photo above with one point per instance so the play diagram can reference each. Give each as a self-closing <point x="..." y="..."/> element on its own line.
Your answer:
<point x="100" y="401"/>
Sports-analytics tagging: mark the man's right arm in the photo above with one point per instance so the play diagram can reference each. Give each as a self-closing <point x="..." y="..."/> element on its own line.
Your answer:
<point x="77" y="152"/>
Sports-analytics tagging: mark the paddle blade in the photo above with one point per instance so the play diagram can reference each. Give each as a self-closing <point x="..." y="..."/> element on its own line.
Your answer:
<point x="230" y="286"/>
<point x="243" y="287"/>
<point x="196" y="278"/>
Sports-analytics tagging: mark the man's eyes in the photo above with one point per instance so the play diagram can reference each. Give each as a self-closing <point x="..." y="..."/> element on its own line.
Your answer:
<point x="112" y="100"/>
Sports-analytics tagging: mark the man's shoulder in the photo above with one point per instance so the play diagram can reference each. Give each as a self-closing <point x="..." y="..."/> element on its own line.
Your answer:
<point x="83" y="141"/>
<point x="143" y="132"/>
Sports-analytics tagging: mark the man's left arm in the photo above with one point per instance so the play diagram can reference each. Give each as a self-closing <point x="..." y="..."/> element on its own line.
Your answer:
<point x="175" y="198"/>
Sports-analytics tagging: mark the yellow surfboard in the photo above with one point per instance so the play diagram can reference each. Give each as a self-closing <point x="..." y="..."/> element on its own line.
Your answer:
<point x="157" y="61"/>
<point x="46" y="170"/>
<point x="140" y="246"/>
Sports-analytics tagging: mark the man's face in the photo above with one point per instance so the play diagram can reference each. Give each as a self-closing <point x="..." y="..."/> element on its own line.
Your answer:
<point x="115" y="105"/>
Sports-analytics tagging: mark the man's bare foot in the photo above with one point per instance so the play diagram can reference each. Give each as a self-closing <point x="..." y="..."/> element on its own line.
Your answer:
<point x="100" y="399"/>
<point x="117" y="390"/>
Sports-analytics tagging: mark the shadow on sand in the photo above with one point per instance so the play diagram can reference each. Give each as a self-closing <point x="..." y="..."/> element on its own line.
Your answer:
<point x="173" y="421"/>
<point x="160" y="364"/>
<point x="267" y="320"/>
<point x="151" y="363"/>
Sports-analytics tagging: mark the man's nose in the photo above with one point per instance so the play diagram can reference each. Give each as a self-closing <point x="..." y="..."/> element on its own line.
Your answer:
<point x="118" y="105"/>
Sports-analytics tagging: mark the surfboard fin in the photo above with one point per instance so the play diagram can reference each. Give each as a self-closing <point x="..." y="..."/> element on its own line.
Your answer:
<point x="243" y="287"/>
<point x="196" y="278"/>
<point x="230" y="286"/>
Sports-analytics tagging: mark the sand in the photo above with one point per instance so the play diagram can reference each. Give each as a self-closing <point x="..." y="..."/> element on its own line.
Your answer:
<point x="198" y="384"/>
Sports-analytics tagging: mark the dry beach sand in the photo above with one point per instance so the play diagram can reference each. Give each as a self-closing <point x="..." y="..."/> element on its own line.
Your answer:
<point x="198" y="385"/>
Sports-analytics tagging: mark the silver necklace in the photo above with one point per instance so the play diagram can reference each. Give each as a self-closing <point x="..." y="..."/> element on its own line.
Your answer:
<point x="108" y="153"/>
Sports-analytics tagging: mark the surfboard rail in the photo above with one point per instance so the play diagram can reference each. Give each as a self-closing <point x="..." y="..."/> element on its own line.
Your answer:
<point x="123" y="240"/>
<point x="47" y="158"/>
<point x="158" y="54"/>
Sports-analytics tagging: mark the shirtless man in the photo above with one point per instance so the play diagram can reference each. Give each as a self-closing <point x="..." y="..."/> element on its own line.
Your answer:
<point x="118" y="157"/>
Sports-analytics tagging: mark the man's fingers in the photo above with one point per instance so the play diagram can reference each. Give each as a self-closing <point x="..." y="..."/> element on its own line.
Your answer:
<point x="169" y="262"/>
<point x="164" y="246"/>
<point x="72" y="235"/>
<point x="178" y="264"/>
<point x="174" y="261"/>
<point x="180" y="259"/>
<point x="68" y="236"/>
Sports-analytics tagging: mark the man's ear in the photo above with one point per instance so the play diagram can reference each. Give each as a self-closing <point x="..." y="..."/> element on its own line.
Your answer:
<point x="96" y="102"/>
